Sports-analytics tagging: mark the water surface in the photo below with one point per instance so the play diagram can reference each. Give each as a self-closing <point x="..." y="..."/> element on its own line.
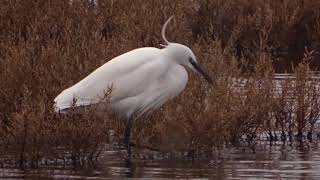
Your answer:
<point x="268" y="162"/>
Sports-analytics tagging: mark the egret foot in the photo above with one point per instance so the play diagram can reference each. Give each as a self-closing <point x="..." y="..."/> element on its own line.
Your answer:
<point x="148" y="147"/>
<point x="127" y="134"/>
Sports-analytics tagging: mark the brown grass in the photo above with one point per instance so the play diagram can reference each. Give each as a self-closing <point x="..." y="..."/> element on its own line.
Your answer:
<point x="46" y="46"/>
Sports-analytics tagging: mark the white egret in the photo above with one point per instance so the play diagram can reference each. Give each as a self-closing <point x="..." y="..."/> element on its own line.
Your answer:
<point x="142" y="80"/>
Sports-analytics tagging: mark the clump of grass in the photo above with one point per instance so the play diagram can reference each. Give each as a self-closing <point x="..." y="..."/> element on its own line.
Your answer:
<point x="43" y="137"/>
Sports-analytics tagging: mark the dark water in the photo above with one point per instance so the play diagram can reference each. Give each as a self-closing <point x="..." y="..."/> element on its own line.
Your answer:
<point x="275" y="162"/>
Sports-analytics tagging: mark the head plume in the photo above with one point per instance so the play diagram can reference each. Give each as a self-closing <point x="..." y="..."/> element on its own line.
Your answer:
<point x="163" y="31"/>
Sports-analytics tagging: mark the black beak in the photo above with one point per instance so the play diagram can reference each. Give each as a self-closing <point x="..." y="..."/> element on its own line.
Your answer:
<point x="201" y="71"/>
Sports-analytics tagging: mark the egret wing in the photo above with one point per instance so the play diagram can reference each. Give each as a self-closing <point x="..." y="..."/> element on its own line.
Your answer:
<point x="127" y="74"/>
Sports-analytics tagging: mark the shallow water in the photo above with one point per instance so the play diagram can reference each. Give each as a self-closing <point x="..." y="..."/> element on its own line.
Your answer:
<point x="269" y="162"/>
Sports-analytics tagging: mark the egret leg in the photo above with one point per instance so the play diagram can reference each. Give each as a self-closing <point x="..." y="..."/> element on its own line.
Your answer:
<point x="127" y="134"/>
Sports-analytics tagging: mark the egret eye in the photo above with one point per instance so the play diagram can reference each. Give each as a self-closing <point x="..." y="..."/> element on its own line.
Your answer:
<point x="192" y="62"/>
<point x="200" y="70"/>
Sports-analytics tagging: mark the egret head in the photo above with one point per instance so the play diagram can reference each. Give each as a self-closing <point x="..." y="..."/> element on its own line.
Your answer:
<point x="183" y="55"/>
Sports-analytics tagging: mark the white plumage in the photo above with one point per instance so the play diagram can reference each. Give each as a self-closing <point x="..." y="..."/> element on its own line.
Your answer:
<point x="141" y="80"/>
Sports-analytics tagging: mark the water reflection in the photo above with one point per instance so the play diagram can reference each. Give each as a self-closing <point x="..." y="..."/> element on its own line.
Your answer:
<point x="269" y="162"/>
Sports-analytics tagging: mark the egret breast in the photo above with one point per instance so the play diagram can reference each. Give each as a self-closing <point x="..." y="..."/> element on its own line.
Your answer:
<point x="166" y="87"/>
<point x="177" y="78"/>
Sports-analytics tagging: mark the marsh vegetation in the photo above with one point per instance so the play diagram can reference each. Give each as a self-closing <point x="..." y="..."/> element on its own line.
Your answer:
<point x="47" y="46"/>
